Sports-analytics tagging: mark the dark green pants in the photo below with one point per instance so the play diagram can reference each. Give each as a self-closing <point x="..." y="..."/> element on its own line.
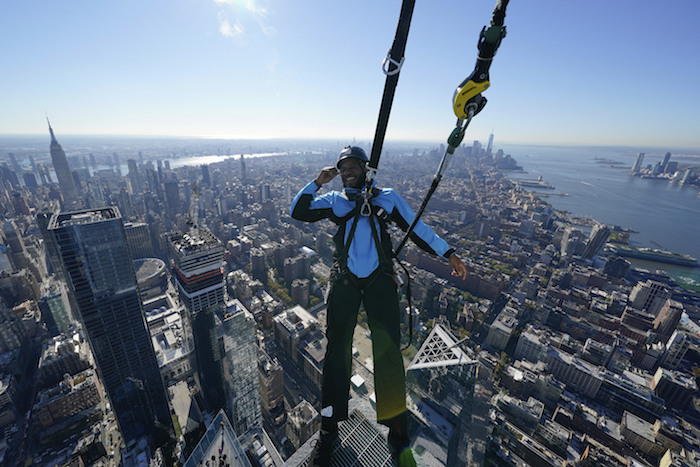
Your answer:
<point x="379" y="295"/>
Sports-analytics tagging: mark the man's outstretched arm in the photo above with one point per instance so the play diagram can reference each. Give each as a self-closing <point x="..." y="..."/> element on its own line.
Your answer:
<point x="425" y="238"/>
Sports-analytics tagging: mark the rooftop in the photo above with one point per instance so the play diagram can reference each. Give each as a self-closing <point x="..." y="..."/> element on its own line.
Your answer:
<point x="440" y="349"/>
<point x="361" y="441"/>
<point x="83" y="217"/>
<point x="186" y="243"/>
<point x="146" y="268"/>
<point x="219" y="441"/>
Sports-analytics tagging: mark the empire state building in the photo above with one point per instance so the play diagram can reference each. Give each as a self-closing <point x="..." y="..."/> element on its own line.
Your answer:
<point x="60" y="165"/>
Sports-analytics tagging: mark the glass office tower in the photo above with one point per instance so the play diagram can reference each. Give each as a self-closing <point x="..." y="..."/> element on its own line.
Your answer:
<point x="99" y="272"/>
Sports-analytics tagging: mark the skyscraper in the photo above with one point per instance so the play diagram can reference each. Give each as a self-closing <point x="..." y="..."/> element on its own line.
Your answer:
<point x="206" y="179"/>
<point x="138" y="238"/>
<point x="596" y="241"/>
<point x="241" y="367"/>
<point x="198" y="264"/>
<point x="60" y="166"/>
<point x="134" y="176"/>
<point x="14" y="240"/>
<point x="649" y="296"/>
<point x="220" y="444"/>
<point x="489" y="146"/>
<point x="117" y="164"/>
<point x="198" y="258"/>
<point x="638" y="163"/>
<point x="91" y="245"/>
<point x="664" y="163"/>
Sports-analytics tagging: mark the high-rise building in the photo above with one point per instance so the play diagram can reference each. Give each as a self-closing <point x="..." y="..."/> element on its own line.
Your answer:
<point x="43" y="217"/>
<point x="258" y="268"/>
<point x="30" y="180"/>
<point x="300" y="292"/>
<point x="218" y="446"/>
<point x="63" y="174"/>
<point x="616" y="266"/>
<point x="198" y="258"/>
<point x="198" y="265"/>
<point x="638" y="163"/>
<point x="676" y="388"/>
<point x="100" y="277"/>
<point x="172" y="197"/>
<point x="264" y="189"/>
<point x="117" y="164"/>
<point x="138" y="238"/>
<point x="489" y="146"/>
<point x="476" y="149"/>
<point x="302" y="423"/>
<point x="15" y="165"/>
<point x="664" y="163"/>
<point x="271" y="377"/>
<point x="32" y="162"/>
<point x="243" y="175"/>
<point x="667" y="320"/>
<point x="15" y="242"/>
<point x="9" y="177"/>
<point x="42" y="174"/>
<point x="573" y="242"/>
<point x="54" y="302"/>
<point x="241" y="367"/>
<point x="649" y="296"/>
<point x="134" y="176"/>
<point x="596" y="241"/>
<point x="206" y="178"/>
<point x="676" y="348"/>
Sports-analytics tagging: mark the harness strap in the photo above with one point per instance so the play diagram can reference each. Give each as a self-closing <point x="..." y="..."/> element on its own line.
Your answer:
<point x="391" y="67"/>
<point x="343" y="257"/>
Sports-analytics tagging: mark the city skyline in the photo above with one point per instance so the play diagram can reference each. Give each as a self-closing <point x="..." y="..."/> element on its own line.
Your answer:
<point x="264" y="69"/>
<point x="559" y="325"/>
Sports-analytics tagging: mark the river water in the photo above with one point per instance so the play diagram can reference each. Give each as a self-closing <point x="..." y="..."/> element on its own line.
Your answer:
<point x="597" y="184"/>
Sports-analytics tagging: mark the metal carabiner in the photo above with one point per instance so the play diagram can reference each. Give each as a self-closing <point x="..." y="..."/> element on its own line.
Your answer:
<point x="366" y="208"/>
<point x="391" y="61"/>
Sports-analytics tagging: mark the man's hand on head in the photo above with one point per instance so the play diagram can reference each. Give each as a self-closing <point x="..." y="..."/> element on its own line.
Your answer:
<point x="458" y="268"/>
<point x="326" y="175"/>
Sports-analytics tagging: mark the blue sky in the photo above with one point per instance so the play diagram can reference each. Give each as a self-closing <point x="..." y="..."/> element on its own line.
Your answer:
<point x="572" y="72"/>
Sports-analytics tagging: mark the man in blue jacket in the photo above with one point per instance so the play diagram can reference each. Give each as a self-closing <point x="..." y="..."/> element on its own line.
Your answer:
<point x="362" y="272"/>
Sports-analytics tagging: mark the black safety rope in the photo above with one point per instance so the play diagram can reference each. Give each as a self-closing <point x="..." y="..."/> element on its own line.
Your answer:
<point x="467" y="102"/>
<point x="392" y="67"/>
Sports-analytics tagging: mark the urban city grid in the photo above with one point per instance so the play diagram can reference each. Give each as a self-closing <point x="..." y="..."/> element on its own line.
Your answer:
<point x="157" y="312"/>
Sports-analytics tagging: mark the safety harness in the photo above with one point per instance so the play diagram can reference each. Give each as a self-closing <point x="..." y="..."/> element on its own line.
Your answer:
<point x="382" y="240"/>
<point x="467" y="101"/>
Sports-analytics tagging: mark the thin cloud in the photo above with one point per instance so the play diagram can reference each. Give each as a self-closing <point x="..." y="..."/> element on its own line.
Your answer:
<point x="227" y="29"/>
<point x="255" y="10"/>
<point x="260" y="11"/>
<point x="267" y="29"/>
<point x="248" y="4"/>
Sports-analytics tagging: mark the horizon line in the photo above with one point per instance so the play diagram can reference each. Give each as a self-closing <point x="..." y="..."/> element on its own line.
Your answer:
<point x="335" y="139"/>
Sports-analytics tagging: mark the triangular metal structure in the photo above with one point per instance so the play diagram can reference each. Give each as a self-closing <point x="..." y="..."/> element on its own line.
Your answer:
<point x="440" y="349"/>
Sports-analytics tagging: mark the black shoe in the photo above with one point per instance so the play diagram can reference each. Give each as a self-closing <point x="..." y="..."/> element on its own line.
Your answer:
<point x="323" y="449"/>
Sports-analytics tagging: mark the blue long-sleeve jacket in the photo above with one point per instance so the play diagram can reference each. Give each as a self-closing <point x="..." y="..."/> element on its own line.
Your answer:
<point x="363" y="258"/>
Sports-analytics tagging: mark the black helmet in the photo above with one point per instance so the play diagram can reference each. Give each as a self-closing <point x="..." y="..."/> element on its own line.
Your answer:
<point x="352" y="152"/>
